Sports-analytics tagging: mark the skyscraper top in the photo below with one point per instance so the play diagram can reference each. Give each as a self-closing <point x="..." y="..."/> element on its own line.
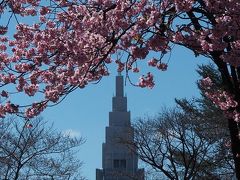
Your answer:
<point x="119" y="86"/>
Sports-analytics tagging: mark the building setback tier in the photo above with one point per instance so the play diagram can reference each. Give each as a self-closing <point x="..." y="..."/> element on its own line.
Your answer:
<point x="119" y="162"/>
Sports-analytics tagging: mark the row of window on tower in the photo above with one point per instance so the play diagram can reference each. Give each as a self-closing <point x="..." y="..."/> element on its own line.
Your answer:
<point x="119" y="163"/>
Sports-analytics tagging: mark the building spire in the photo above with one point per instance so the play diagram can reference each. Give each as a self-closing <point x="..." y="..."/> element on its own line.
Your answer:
<point x="119" y="103"/>
<point x="119" y="85"/>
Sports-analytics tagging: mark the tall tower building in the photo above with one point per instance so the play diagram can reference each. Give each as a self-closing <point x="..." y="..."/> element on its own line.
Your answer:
<point x="118" y="161"/>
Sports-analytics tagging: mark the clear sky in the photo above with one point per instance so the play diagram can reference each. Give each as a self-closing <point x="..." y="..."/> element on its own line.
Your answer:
<point x="85" y="111"/>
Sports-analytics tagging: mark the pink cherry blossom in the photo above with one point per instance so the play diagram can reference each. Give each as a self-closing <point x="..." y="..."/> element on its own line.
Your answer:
<point x="28" y="126"/>
<point x="3" y="30"/>
<point x="162" y="66"/>
<point x="146" y="81"/>
<point x="4" y="94"/>
<point x="152" y="62"/>
<point x="136" y="70"/>
<point x="221" y="98"/>
<point x="206" y="82"/>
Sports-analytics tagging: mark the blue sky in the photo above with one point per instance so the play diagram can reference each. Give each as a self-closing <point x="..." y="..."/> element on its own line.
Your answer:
<point x="85" y="111"/>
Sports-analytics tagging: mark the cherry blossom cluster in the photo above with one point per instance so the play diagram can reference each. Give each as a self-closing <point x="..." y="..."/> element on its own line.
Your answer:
<point x="155" y="63"/>
<point x="221" y="98"/>
<point x="120" y="66"/>
<point x="146" y="81"/>
<point x="70" y="43"/>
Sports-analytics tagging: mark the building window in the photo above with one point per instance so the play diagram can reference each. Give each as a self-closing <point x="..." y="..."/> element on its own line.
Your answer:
<point x="119" y="163"/>
<point x="123" y="163"/>
<point x="116" y="163"/>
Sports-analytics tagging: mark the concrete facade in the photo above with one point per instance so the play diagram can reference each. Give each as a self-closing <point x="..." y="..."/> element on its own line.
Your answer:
<point x="118" y="161"/>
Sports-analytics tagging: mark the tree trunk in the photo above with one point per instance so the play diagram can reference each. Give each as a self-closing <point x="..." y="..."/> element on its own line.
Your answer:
<point x="231" y="81"/>
<point x="235" y="145"/>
